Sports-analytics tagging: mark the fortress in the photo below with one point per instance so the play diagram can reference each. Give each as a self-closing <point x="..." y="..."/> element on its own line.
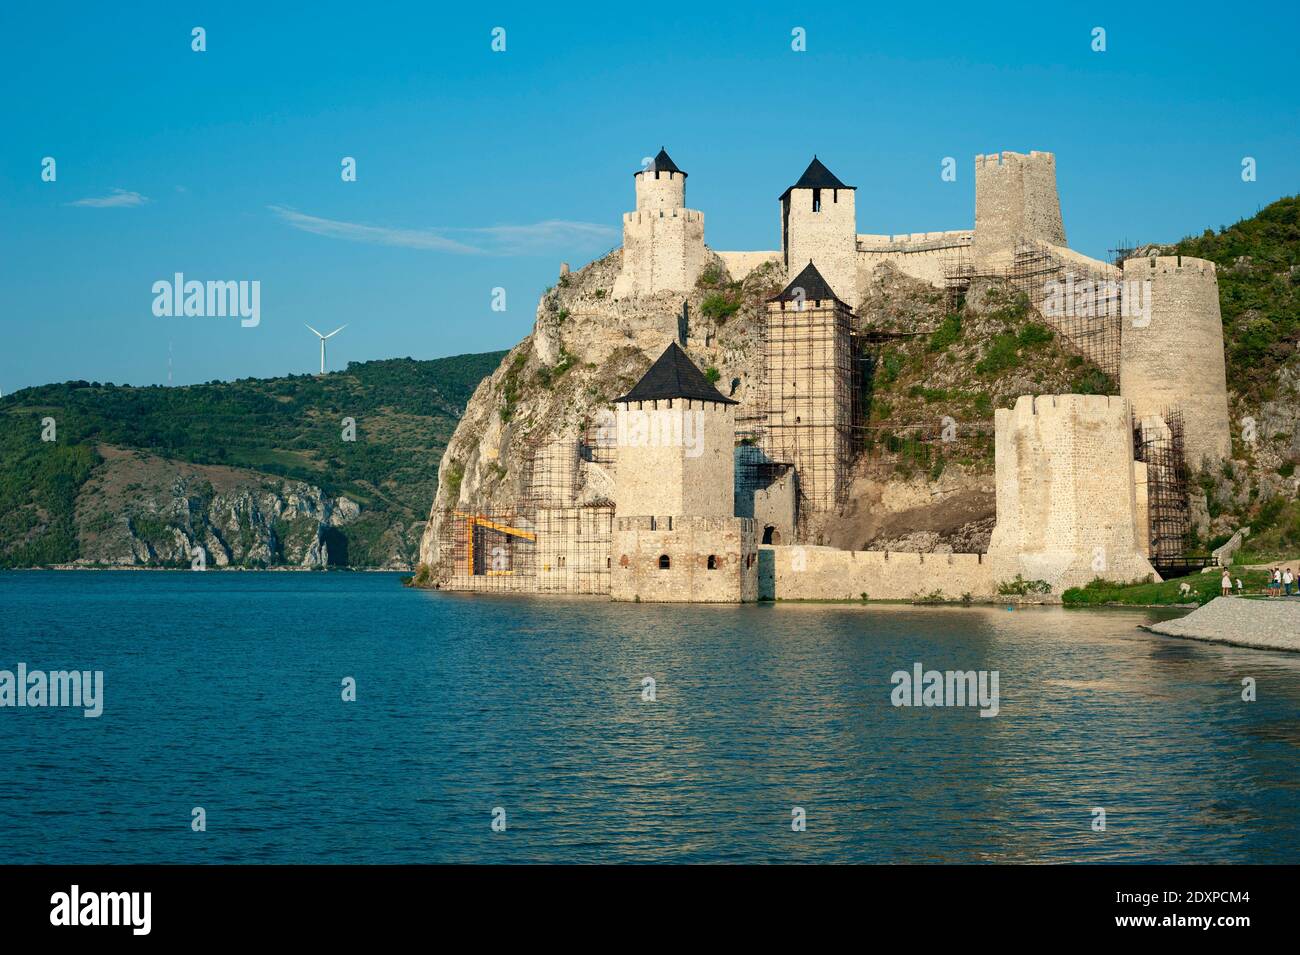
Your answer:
<point x="655" y="508"/>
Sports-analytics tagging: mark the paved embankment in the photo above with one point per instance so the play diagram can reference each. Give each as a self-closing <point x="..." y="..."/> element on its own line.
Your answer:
<point x="1264" y="624"/>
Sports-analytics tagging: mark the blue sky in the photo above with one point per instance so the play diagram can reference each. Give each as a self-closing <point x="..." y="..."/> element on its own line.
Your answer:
<point x="479" y="169"/>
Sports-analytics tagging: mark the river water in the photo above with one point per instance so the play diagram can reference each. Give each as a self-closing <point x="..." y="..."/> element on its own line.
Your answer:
<point x="223" y="691"/>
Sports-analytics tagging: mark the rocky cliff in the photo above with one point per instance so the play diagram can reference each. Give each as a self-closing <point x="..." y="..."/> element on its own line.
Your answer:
<point x="584" y="351"/>
<point x="139" y="510"/>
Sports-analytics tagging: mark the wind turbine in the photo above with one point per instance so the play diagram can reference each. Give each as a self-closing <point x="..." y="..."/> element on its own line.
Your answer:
<point x="322" y="343"/>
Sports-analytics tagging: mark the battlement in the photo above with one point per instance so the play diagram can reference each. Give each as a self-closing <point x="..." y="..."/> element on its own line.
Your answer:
<point x="1007" y="158"/>
<point x="915" y="241"/>
<point x="670" y="522"/>
<point x="644" y="216"/>
<point x="1099" y="407"/>
<point x="1149" y="266"/>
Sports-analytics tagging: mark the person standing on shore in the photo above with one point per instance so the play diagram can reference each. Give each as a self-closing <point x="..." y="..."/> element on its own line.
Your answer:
<point x="1274" y="582"/>
<point x="1226" y="583"/>
<point x="1288" y="579"/>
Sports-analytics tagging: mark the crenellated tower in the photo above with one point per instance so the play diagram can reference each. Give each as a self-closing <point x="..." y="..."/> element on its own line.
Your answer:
<point x="1171" y="350"/>
<point x="1015" y="198"/>
<point x="676" y="536"/>
<point x="663" y="241"/>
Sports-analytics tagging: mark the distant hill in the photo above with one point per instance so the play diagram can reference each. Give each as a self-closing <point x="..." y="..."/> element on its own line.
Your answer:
<point x="247" y="468"/>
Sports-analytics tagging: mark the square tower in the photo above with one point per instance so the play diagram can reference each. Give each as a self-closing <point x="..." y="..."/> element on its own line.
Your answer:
<point x="810" y="389"/>
<point x="1015" y="200"/>
<point x="819" y="224"/>
<point x="676" y="536"/>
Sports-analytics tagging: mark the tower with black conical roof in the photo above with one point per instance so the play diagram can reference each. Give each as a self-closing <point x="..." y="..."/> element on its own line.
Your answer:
<point x="819" y="223"/>
<point x="663" y="241"/>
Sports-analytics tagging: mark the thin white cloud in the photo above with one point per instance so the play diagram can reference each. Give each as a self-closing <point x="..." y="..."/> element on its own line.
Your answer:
<point x="540" y="236"/>
<point x="492" y="240"/>
<point x="118" y="198"/>
<point x="375" y="235"/>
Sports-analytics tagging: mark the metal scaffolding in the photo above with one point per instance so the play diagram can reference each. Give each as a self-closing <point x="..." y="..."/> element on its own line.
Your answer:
<point x="811" y="417"/>
<point x="1158" y="443"/>
<point x="554" y="539"/>
<point x="1083" y="305"/>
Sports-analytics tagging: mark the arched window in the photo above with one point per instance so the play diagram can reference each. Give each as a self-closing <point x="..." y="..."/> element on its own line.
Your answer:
<point x="664" y="562"/>
<point x="771" y="535"/>
<point x="713" y="562"/>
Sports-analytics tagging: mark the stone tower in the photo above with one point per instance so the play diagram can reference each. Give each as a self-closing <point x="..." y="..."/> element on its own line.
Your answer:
<point x="810" y="388"/>
<point x="1067" y="492"/>
<point x="663" y="241"/>
<point x="1015" y="198"/>
<point x="1172" y="355"/>
<point x="819" y="224"/>
<point x="676" y="536"/>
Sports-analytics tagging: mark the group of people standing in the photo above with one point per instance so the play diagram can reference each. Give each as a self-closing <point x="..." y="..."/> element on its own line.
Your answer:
<point x="1282" y="582"/>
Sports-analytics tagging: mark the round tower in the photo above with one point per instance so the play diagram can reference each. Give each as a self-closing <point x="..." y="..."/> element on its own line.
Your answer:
<point x="1171" y="350"/>
<point x="660" y="186"/>
<point x="663" y="241"/>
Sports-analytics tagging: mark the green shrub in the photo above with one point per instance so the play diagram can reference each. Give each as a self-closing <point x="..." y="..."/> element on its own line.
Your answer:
<point x="1023" y="588"/>
<point x="949" y="331"/>
<point x="719" y="306"/>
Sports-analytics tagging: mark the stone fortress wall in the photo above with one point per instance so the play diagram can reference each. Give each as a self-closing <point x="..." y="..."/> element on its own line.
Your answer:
<point x="708" y="560"/>
<point x="1071" y="500"/>
<point x="804" y="572"/>
<point x="1066" y="497"/>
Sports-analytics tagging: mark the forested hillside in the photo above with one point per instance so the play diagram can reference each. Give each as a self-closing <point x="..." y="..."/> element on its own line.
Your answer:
<point x="260" y="433"/>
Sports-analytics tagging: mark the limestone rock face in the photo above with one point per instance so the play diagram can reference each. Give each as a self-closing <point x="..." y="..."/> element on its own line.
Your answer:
<point x="138" y="510"/>
<point x="585" y="350"/>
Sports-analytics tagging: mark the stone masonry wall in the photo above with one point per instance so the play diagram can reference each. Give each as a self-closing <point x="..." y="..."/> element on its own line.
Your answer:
<point x="677" y="458"/>
<point x="1066" y="501"/>
<point x="1175" y="359"/>
<point x="827" y="238"/>
<point x="826" y="573"/>
<point x="710" y="560"/>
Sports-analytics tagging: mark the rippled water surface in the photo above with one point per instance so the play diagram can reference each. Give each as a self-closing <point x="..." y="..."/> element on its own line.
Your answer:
<point x="222" y="690"/>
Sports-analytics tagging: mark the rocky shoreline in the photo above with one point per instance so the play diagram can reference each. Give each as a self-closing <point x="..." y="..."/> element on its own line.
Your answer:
<point x="1258" y="622"/>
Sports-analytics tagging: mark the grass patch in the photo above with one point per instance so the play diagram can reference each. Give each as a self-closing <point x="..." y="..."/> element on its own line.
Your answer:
<point x="1204" y="588"/>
